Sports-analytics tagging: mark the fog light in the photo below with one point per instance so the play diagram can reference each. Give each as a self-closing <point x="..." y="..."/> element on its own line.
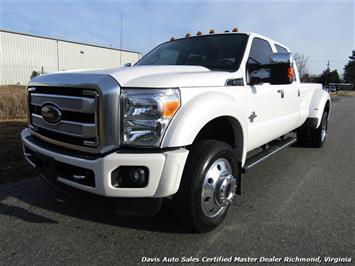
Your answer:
<point x="130" y="177"/>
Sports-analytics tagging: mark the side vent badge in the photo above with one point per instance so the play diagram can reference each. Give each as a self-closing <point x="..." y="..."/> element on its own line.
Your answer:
<point x="234" y="82"/>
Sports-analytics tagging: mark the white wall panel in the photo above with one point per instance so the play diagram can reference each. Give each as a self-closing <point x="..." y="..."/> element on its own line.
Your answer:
<point x="22" y="54"/>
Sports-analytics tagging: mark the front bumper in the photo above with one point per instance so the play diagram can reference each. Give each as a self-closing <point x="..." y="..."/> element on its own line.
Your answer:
<point x="165" y="169"/>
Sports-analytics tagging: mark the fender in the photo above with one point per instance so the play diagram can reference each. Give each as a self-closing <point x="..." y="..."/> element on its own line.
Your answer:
<point x="316" y="108"/>
<point x="200" y="110"/>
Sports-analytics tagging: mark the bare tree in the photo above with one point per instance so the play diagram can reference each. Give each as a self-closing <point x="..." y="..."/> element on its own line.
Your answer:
<point x="302" y="64"/>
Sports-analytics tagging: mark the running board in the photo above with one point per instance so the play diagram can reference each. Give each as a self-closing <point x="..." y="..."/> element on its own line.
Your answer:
<point x="268" y="152"/>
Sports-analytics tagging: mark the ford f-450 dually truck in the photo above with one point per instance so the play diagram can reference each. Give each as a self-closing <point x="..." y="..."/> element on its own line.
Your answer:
<point x="182" y="124"/>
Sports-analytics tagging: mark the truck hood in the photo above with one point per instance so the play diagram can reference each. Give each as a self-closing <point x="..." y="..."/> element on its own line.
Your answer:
<point x="162" y="76"/>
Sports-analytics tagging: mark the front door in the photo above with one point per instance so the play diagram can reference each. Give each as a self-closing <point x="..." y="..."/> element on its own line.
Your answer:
<point x="265" y="102"/>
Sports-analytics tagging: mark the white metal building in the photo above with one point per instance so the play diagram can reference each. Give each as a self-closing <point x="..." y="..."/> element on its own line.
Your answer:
<point x="21" y="54"/>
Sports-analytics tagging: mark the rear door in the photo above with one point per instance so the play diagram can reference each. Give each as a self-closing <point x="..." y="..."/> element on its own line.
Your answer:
<point x="291" y="101"/>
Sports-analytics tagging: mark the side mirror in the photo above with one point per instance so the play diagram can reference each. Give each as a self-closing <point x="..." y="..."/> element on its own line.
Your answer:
<point x="127" y="65"/>
<point x="281" y="68"/>
<point x="259" y="76"/>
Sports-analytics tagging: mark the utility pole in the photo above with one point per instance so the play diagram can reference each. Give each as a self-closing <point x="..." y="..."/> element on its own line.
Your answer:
<point x="121" y="39"/>
<point x="327" y="72"/>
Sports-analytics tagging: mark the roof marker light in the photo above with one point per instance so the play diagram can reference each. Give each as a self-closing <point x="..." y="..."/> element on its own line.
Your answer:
<point x="226" y="31"/>
<point x="235" y="29"/>
<point x="187" y="35"/>
<point x="211" y="31"/>
<point x="199" y="33"/>
<point x="172" y="39"/>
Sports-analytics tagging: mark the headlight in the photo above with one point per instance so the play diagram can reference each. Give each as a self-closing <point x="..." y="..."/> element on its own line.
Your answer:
<point x="146" y="114"/>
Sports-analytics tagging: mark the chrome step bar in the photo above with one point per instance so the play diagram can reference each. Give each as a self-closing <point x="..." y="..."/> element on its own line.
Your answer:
<point x="266" y="153"/>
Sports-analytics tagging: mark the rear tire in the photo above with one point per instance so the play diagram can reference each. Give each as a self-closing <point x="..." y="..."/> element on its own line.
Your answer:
<point x="314" y="137"/>
<point x="319" y="135"/>
<point x="208" y="185"/>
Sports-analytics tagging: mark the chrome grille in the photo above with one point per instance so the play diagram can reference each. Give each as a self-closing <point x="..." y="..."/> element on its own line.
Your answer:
<point x="78" y="126"/>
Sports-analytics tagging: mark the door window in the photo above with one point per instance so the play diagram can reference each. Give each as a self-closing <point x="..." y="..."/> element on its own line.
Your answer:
<point x="259" y="60"/>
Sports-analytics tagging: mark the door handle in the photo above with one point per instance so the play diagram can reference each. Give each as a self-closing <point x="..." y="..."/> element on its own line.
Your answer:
<point x="282" y="93"/>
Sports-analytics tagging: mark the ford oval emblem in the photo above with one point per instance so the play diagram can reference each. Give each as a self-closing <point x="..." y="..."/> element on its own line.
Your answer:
<point x="51" y="113"/>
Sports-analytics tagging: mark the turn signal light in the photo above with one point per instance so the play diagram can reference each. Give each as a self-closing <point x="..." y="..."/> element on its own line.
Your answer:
<point x="290" y="73"/>
<point x="169" y="108"/>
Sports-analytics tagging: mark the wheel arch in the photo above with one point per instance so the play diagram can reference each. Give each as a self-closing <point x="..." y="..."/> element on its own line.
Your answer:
<point x="325" y="108"/>
<point x="203" y="113"/>
<point x="320" y="102"/>
<point x="226" y="129"/>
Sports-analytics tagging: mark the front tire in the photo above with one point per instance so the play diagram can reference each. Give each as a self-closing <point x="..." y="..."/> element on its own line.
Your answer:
<point x="208" y="185"/>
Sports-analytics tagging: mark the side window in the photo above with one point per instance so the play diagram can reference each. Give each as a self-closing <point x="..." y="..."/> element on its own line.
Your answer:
<point x="259" y="59"/>
<point x="280" y="49"/>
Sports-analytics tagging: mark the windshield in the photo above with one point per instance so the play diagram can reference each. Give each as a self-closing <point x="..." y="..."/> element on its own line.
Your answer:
<point x="216" y="52"/>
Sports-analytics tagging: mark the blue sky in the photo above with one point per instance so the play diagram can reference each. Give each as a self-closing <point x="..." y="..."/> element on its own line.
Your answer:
<point x="323" y="30"/>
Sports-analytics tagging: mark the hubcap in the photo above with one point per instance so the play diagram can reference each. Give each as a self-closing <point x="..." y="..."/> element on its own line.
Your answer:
<point x="324" y="128"/>
<point x="218" y="188"/>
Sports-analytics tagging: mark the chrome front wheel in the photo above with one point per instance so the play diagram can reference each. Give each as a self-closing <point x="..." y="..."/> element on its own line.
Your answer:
<point x="218" y="188"/>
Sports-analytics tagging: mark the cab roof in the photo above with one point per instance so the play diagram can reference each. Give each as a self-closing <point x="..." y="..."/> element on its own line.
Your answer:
<point x="250" y="34"/>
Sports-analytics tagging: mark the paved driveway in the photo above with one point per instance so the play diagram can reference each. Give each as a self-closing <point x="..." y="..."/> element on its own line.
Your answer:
<point x="300" y="202"/>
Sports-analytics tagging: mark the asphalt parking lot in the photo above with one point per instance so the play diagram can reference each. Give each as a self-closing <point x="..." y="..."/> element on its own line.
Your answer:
<point x="300" y="202"/>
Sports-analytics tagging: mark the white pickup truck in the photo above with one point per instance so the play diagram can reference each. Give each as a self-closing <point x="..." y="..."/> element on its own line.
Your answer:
<point x="182" y="124"/>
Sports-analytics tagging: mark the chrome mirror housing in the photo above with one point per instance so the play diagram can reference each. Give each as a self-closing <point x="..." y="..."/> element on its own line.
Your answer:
<point x="281" y="68"/>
